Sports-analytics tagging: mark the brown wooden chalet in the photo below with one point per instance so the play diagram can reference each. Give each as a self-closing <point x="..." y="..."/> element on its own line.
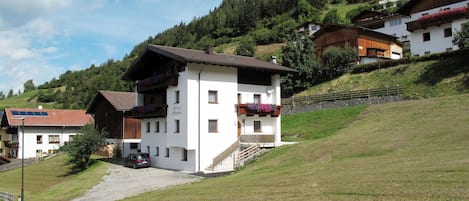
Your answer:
<point x="368" y="43"/>
<point x="112" y="111"/>
<point x="436" y="19"/>
<point x="369" y="19"/>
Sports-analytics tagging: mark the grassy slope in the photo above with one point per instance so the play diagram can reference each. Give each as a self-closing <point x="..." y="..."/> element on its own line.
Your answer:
<point x="414" y="150"/>
<point x="420" y="80"/>
<point x="48" y="180"/>
<point x="24" y="100"/>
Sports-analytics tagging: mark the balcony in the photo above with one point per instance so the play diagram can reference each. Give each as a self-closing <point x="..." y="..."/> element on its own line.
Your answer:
<point x="439" y="18"/>
<point x="157" y="82"/>
<point x="259" y="109"/>
<point x="149" y="111"/>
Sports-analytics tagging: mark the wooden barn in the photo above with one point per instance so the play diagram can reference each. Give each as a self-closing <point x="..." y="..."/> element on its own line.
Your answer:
<point x="371" y="45"/>
<point x="112" y="112"/>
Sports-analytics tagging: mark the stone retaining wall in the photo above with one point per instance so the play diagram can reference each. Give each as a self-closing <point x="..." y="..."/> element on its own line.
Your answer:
<point x="301" y="108"/>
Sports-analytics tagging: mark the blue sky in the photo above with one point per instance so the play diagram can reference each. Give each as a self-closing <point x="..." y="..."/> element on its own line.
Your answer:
<point x="41" y="39"/>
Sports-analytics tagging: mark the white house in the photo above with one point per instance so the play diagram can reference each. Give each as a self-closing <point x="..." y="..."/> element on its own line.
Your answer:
<point x="394" y="25"/>
<point x="198" y="108"/>
<point x="44" y="130"/>
<point x="433" y="24"/>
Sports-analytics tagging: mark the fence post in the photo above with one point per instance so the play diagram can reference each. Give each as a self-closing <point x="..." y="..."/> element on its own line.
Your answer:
<point x="387" y="90"/>
<point x="351" y="95"/>
<point x="368" y="93"/>
<point x="293" y="103"/>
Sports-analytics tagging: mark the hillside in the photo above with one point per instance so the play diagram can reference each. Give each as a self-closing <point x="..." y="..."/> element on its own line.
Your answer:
<point x="434" y="78"/>
<point x="414" y="150"/>
<point x="266" y="24"/>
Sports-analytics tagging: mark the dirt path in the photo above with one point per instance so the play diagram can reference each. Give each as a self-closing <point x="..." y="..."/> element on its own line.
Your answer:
<point x="122" y="182"/>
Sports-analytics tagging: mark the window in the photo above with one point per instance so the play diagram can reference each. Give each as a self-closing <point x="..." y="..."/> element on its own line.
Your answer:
<point x="257" y="126"/>
<point x="257" y="98"/>
<point x="212" y="126"/>
<point x="184" y="155"/>
<point x="177" y="97"/>
<point x="426" y="36"/>
<point x="427" y="52"/>
<point x="395" y="22"/>
<point x="212" y="97"/>
<point x="239" y="98"/>
<point x="165" y="126"/>
<point x="133" y="145"/>
<point x="157" y="151"/>
<point x="38" y="139"/>
<point x="167" y="153"/>
<point x="157" y="127"/>
<point x="148" y="127"/>
<point x="70" y="138"/>
<point x="54" y="139"/>
<point x="448" y="32"/>
<point x="177" y="126"/>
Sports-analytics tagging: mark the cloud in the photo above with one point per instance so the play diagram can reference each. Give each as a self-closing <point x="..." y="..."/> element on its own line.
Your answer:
<point x="18" y="13"/>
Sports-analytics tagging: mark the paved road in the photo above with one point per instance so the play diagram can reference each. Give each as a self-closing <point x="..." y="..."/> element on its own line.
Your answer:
<point x="122" y="182"/>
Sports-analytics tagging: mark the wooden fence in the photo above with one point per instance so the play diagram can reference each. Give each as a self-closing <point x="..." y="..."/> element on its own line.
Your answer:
<point x="344" y="95"/>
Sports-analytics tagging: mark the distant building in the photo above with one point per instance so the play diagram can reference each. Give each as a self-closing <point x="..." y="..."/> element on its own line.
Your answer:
<point x="308" y="29"/>
<point x="112" y="112"/>
<point x="45" y="130"/>
<point x="370" y="45"/>
<point x="432" y="24"/>
<point x="394" y="25"/>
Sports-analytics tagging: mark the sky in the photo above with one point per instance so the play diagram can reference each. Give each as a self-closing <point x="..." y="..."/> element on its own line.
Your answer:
<point x="41" y="39"/>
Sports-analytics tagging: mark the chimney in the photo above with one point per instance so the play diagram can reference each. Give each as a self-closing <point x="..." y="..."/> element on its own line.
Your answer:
<point x="208" y="49"/>
<point x="274" y="59"/>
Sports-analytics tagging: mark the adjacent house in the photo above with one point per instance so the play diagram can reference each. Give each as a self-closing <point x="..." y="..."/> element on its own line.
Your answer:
<point x="393" y="25"/>
<point x="371" y="45"/>
<point x="308" y="29"/>
<point x="45" y="130"/>
<point x="111" y="111"/>
<point x="197" y="108"/>
<point x="433" y="23"/>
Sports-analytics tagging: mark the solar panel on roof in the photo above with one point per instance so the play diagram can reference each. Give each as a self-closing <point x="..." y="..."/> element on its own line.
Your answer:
<point x="29" y="113"/>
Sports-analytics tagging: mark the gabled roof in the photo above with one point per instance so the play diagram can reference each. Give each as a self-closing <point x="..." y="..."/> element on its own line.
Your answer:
<point x="196" y="56"/>
<point x="361" y="30"/>
<point x="48" y="117"/>
<point x="368" y="15"/>
<point x="121" y="101"/>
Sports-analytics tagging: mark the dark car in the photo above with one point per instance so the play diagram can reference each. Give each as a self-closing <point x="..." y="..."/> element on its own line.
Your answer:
<point x="138" y="160"/>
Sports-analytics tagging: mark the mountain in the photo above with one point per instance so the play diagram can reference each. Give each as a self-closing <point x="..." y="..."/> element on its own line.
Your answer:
<point x="233" y="24"/>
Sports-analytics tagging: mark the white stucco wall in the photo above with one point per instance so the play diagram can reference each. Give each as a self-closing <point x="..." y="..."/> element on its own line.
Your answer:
<point x="437" y="43"/>
<point x="224" y="81"/>
<point x="393" y="28"/>
<point x="31" y="145"/>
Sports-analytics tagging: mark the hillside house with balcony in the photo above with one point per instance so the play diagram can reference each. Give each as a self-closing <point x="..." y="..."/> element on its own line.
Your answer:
<point x="371" y="46"/>
<point x="394" y="25"/>
<point x="433" y="23"/>
<point x="45" y="130"/>
<point x="198" y="108"/>
<point x="112" y="112"/>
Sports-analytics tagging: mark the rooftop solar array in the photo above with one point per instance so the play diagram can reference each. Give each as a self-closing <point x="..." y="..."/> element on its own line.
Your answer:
<point x="28" y="113"/>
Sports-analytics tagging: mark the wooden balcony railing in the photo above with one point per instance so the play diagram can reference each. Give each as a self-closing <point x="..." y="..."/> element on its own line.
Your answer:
<point x="259" y="109"/>
<point x="148" y="111"/>
<point x="157" y="82"/>
<point x="439" y="18"/>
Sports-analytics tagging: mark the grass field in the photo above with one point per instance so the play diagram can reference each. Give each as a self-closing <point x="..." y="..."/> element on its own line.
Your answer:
<point x="50" y="180"/>
<point x="413" y="150"/>
<point x="24" y="100"/>
<point x="434" y="78"/>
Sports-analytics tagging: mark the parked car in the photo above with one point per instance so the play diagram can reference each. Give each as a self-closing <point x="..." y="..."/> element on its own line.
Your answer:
<point x="138" y="160"/>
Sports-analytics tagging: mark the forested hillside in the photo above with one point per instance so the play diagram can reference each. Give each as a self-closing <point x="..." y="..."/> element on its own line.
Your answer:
<point x="246" y="23"/>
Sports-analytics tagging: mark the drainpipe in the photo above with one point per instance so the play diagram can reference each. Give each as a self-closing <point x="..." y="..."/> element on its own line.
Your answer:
<point x="198" y="144"/>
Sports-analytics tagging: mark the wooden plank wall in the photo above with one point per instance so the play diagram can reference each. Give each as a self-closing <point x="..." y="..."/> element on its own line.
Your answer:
<point x="132" y="129"/>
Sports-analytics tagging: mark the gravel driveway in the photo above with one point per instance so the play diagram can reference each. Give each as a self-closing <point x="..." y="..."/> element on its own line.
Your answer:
<point x="122" y="182"/>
